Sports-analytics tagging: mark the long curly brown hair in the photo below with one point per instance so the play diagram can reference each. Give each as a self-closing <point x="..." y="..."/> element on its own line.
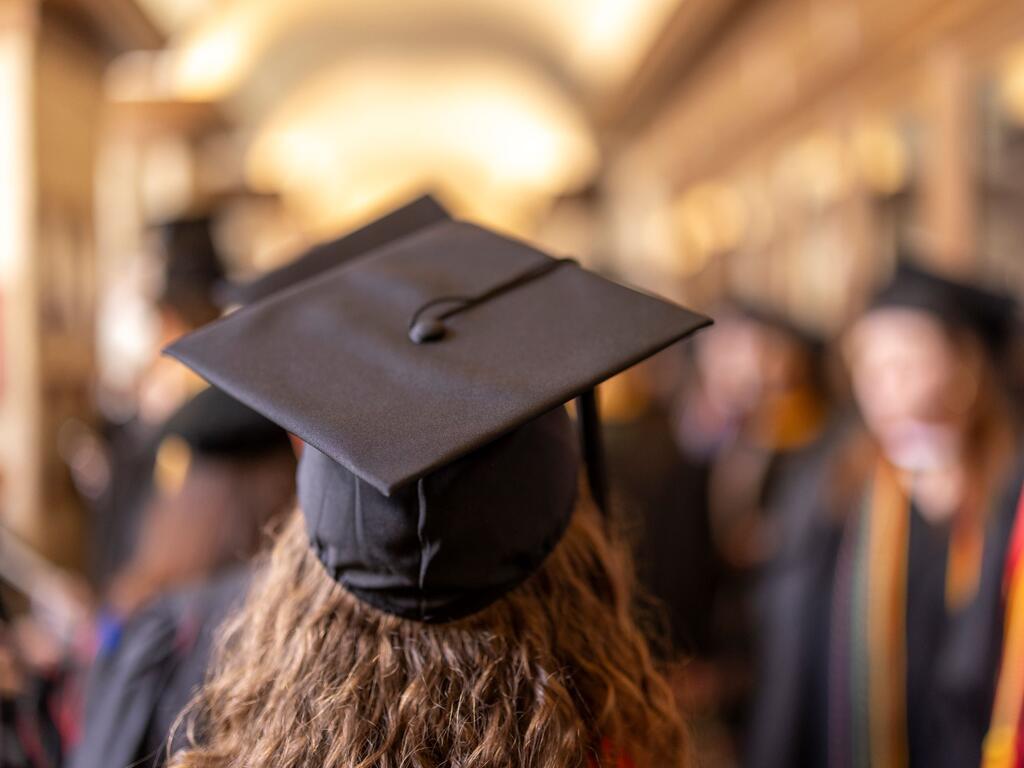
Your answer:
<point x="556" y="674"/>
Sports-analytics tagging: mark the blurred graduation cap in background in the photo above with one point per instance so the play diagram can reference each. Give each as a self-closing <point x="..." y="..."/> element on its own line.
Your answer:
<point x="990" y="314"/>
<point x="404" y="220"/>
<point x="213" y="424"/>
<point x="192" y="265"/>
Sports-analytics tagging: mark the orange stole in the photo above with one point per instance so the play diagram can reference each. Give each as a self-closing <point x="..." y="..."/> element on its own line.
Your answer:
<point x="888" y="540"/>
<point x="1004" y="744"/>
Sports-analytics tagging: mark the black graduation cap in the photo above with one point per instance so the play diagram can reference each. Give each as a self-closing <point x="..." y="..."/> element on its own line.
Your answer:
<point x="216" y="425"/>
<point x="772" y="317"/>
<point x="990" y="314"/>
<point x="428" y="379"/>
<point x="420" y="213"/>
<point x="192" y="263"/>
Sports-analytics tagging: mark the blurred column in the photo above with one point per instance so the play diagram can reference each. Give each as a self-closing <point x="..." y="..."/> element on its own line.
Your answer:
<point x="949" y="213"/>
<point x="20" y="403"/>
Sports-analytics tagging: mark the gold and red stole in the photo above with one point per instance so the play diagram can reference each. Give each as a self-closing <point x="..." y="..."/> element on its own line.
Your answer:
<point x="1004" y="744"/>
<point x="868" y="670"/>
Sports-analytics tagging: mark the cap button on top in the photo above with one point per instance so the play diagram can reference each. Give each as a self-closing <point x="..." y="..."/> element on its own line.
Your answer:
<point x="426" y="330"/>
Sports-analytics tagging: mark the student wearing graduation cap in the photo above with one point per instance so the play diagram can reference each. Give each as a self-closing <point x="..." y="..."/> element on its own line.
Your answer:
<point x="758" y="409"/>
<point x="885" y="603"/>
<point x="446" y="592"/>
<point x="224" y="473"/>
<point x="192" y="267"/>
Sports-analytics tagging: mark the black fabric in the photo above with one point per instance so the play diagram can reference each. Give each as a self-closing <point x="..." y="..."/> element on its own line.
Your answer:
<point x="192" y="263"/>
<point x="661" y="497"/>
<point x="215" y="424"/>
<point x="789" y="714"/>
<point x="449" y="544"/>
<point x="138" y="689"/>
<point x="774" y="318"/>
<point x="332" y="362"/>
<point x="409" y="218"/>
<point x="990" y="314"/>
<point x="927" y="626"/>
<point x="402" y="371"/>
<point x="952" y="660"/>
<point x="118" y="511"/>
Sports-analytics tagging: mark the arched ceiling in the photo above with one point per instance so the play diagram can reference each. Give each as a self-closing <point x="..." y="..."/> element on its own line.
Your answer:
<point x="591" y="44"/>
<point x="487" y="132"/>
<point x="344" y="103"/>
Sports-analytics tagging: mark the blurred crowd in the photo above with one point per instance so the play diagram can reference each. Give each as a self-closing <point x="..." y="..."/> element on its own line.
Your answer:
<point x="826" y="529"/>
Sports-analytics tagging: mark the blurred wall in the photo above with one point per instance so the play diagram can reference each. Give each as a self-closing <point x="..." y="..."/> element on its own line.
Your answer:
<point x="52" y="61"/>
<point x="811" y="139"/>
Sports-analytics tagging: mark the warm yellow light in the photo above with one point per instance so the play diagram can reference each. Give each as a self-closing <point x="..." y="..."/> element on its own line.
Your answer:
<point x="711" y="219"/>
<point x="880" y="155"/>
<point x="824" y="168"/>
<point x="214" y="64"/>
<point x="598" y="41"/>
<point x="479" y="128"/>
<point x="20" y="371"/>
<point x="610" y="36"/>
<point x="758" y="210"/>
<point x="173" y="15"/>
<point x="1011" y="85"/>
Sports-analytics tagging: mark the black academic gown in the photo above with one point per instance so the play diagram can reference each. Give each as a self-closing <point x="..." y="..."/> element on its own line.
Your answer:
<point x="137" y="690"/>
<point x="661" y="499"/>
<point x="952" y="660"/>
<point x="118" y="512"/>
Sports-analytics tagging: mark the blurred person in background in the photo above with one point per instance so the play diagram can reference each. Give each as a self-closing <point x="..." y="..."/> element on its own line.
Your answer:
<point x="659" y="498"/>
<point x="192" y="271"/>
<point x="223" y="475"/>
<point x="46" y="630"/>
<point x="884" y="603"/>
<point x="28" y="734"/>
<point x="757" y="409"/>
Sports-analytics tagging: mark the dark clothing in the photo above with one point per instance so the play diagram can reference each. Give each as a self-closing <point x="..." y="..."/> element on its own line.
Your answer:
<point x="661" y="499"/>
<point x="928" y="626"/>
<point x="118" y="512"/>
<point x="138" y="689"/>
<point x="951" y="659"/>
<point x="738" y="624"/>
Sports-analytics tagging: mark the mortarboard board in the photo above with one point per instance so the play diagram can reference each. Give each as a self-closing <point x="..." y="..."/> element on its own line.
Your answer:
<point x="420" y="213"/>
<point x="428" y="379"/>
<point x="989" y="314"/>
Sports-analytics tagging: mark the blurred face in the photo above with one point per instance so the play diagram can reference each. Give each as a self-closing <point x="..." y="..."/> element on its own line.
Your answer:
<point x="729" y="356"/>
<point x="913" y="383"/>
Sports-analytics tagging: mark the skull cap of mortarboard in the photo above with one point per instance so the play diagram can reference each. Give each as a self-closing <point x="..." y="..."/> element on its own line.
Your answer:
<point x="989" y="314"/>
<point x="428" y="378"/>
<point x="214" y="424"/>
<point x="413" y="216"/>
